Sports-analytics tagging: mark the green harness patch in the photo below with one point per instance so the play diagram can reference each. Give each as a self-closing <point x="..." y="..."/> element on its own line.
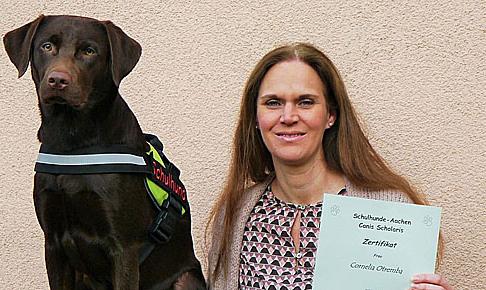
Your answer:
<point x="158" y="193"/>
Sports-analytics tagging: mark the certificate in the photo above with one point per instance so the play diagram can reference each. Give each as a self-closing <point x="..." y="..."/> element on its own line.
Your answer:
<point x="367" y="244"/>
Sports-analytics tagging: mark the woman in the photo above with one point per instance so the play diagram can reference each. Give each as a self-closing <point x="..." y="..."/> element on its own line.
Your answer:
<point x="297" y="138"/>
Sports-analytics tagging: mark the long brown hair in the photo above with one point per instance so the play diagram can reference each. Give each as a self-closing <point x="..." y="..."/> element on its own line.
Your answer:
<point x="346" y="148"/>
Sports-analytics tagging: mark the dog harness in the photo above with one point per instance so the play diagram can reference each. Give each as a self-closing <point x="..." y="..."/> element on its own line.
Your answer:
<point x="162" y="182"/>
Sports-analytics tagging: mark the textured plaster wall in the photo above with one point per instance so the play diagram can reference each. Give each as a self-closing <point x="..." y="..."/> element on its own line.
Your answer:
<point x="415" y="71"/>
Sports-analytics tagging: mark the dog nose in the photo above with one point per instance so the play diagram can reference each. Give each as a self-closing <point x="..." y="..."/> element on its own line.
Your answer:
<point x="58" y="80"/>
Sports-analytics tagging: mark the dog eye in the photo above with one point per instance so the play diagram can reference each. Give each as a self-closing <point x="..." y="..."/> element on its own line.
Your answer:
<point x="47" y="46"/>
<point x="89" y="51"/>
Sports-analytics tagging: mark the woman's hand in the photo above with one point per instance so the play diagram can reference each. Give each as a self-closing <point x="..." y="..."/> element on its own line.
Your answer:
<point x="429" y="282"/>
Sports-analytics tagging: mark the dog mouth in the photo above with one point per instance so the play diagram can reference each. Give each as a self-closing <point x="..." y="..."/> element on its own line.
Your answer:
<point x="57" y="100"/>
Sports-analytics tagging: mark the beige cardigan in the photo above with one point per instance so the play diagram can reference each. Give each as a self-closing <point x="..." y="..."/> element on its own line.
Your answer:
<point x="248" y="202"/>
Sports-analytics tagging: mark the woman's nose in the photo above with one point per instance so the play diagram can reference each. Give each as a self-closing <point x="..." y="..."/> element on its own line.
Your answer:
<point x="289" y="114"/>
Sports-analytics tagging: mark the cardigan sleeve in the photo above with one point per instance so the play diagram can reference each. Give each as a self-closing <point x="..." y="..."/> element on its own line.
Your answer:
<point x="213" y="252"/>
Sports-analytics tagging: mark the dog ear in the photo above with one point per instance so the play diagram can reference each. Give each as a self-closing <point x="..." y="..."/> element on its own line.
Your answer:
<point x="18" y="44"/>
<point x="125" y="52"/>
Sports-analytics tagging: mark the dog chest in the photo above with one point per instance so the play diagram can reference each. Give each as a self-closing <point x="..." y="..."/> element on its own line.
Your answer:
<point x="96" y="204"/>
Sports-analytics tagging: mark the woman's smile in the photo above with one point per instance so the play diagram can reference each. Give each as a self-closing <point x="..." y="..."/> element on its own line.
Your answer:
<point x="290" y="136"/>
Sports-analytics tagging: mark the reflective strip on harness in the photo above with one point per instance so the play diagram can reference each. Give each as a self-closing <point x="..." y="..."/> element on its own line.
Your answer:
<point x="90" y="159"/>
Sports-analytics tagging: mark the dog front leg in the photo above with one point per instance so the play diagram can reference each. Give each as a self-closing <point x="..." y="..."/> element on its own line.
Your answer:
<point x="125" y="273"/>
<point x="59" y="272"/>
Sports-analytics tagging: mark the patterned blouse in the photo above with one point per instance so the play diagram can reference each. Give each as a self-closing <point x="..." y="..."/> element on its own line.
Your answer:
<point x="268" y="258"/>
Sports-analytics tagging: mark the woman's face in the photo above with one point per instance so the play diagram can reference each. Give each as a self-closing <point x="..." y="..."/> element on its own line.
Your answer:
<point x="292" y="114"/>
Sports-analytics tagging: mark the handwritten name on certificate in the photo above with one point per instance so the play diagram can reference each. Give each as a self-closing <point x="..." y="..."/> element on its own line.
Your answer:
<point x="367" y="244"/>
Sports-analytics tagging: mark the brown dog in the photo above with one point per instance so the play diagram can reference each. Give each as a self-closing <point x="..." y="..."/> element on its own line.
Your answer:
<point x="95" y="225"/>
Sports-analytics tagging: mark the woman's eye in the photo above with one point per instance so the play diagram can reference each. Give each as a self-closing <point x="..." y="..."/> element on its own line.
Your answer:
<point x="306" y="102"/>
<point x="47" y="46"/>
<point x="89" y="51"/>
<point x="272" y="103"/>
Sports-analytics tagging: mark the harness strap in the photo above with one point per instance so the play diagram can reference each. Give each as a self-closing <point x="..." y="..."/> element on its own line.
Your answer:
<point x="165" y="189"/>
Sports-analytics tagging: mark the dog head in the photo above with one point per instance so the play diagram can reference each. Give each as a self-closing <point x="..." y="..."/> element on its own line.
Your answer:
<point x="75" y="61"/>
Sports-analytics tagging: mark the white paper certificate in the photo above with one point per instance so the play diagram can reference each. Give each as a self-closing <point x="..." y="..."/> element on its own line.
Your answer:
<point x="367" y="244"/>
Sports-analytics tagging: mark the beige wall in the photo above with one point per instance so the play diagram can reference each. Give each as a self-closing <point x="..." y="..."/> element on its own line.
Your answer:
<point x="415" y="71"/>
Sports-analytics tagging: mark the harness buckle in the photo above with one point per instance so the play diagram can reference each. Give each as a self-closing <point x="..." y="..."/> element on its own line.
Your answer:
<point x="166" y="221"/>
